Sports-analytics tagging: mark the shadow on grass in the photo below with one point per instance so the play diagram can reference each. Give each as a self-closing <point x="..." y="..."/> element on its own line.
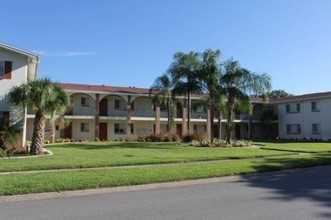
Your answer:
<point x="312" y="184"/>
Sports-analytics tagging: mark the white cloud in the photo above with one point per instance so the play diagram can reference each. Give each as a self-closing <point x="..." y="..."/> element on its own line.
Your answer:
<point x="64" y="54"/>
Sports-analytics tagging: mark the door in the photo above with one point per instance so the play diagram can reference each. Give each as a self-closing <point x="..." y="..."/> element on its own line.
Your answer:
<point x="179" y="129"/>
<point x="238" y="136"/>
<point x="68" y="131"/>
<point x="215" y="130"/>
<point x="104" y="107"/>
<point x="103" y="131"/>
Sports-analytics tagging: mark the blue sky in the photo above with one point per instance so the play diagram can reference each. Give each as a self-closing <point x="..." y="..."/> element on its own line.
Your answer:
<point x="131" y="42"/>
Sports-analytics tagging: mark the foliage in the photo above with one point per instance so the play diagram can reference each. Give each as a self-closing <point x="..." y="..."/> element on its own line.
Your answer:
<point x="185" y="75"/>
<point x="46" y="98"/>
<point x="276" y="94"/>
<point x="160" y="92"/>
<point x="238" y="84"/>
<point x="9" y="136"/>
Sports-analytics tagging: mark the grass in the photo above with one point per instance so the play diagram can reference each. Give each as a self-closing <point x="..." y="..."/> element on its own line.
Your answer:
<point x="304" y="147"/>
<point x="218" y="162"/>
<point x="101" y="154"/>
<point x="73" y="180"/>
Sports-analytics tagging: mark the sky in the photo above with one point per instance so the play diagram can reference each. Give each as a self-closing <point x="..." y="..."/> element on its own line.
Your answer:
<point x="132" y="42"/>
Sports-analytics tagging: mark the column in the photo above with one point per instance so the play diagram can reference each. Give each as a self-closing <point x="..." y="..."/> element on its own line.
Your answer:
<point x="184" y="123"/>
<point x="128" y="119"/>
<point x="97" y="115"/>
<point x="208" y="124"/>
<point x="157" y="119"/>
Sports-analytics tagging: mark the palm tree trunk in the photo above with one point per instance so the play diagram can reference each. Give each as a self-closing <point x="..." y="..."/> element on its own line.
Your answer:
<point x="52" y="130"/>
<point x="38" y="133"/>
<point x="229" y="121"/>
<point x="211" y="126"/>
<point x="219" y="124"/>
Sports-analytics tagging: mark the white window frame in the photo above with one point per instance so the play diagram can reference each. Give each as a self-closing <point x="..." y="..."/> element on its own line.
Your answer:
<point x="315" y="106"/>
<point x="316" y="128"/>
<point x="120" y="128"/>
<point x="292" y="108"/>
<point x="84" y="127"/>
<point x="84" y="101"/>
<point x="293" y="128"/>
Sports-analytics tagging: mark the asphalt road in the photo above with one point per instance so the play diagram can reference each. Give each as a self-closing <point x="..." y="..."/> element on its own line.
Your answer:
<point x="295" y="194"/>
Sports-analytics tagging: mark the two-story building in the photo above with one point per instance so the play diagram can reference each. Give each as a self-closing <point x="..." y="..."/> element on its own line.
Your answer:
<point x="124" y="113"/>
<point x="17" y="66"/>
<point x="305" y="116"/>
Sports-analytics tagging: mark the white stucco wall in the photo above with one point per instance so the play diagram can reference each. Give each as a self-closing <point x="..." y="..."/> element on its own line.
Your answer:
<point x="19" y="75"/>
<point x="306" y="117"/>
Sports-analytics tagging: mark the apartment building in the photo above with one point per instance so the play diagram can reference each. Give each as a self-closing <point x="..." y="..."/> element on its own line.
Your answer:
<point x="124" y="113"/>
<point x="305" y="117"/>
<point x="17" y="66"/>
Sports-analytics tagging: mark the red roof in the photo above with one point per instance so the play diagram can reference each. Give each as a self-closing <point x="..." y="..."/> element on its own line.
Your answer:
<point x="128" y="90"/>
<point x="302" y="97"/>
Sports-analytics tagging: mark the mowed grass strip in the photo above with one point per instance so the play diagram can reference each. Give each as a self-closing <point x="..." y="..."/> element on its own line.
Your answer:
<point x="304" y="147"/>
<point x="74" y="180"/>
<point x="102" y="154"/>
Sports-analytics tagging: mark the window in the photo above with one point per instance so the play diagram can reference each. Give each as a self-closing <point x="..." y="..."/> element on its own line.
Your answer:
<point x="293" y="129"/>
<point x="2" y="68"/>
<point x="84" y="101"/>
<point x="293" y="108"/>
<point x="121" y="128"/>
<point x="315" y="107"/>
<point x="120" y="105"/>
<point x="316" y="128"/>
<point x="5" y="69"/>
<point x="84" y="127"/>
<point x="199" y="128"/>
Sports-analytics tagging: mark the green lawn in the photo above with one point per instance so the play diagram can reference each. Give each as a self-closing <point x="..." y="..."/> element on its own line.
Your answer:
<point x="101" y="154"/>
<point x="305" y="147"/>
<point x="218" y="162"/>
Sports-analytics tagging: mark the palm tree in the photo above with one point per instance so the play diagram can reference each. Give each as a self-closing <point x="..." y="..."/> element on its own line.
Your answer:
<point x="237" y="84"/>
<point x="161" y="95"/>
<point x="57" y="108"/>
<point x="185" y="73"/>
<point x="210" y="77"/>
<point x="39" y="95"/>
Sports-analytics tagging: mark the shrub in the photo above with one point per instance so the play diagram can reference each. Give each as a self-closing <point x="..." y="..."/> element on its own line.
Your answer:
<point x="188" y="138"/>
<point x="141" y="138"/>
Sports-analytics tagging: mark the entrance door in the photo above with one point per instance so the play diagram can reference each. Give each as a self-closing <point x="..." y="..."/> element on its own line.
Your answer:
<point x="68" y="131"/>
<point x="179" y="129"/>
<point x="215" y="131"/>
<point x="103" y="131"/>
<point x="104" y="107"/>
<point x="238" y="136"/>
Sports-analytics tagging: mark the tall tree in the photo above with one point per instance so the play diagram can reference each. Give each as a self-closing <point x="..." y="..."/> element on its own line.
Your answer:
<point x="57" y="108"/>
<point x="185" y="73"/>
<point x="210" y="78"/>
<point x="40" y="96"/>
<point x="276" y="94"/>
<point x="238" y="84"/>
<point x="160" y="92"/>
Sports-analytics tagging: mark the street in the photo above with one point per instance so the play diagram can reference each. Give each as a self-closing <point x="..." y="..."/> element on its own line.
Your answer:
<point x="294" y="194"/>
